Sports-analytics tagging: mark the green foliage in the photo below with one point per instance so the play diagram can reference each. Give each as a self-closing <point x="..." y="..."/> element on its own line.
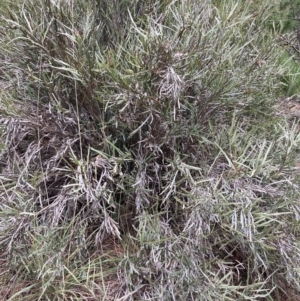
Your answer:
<point x="143" y="156"/>
<point x="291" y="74"/>
<point x="289" y="13"/>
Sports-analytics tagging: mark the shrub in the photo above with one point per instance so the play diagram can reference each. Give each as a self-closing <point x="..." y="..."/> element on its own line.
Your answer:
<point x="142" y="158"/>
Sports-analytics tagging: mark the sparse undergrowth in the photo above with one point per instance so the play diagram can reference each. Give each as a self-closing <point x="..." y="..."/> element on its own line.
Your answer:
<point x="143" y="152"/>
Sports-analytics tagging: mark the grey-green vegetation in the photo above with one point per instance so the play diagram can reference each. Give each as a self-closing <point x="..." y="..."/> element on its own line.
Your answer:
<point x="149" y="150"/>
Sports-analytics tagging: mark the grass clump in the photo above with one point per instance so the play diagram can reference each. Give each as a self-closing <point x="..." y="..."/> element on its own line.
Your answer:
<point x="142" y="153"/>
